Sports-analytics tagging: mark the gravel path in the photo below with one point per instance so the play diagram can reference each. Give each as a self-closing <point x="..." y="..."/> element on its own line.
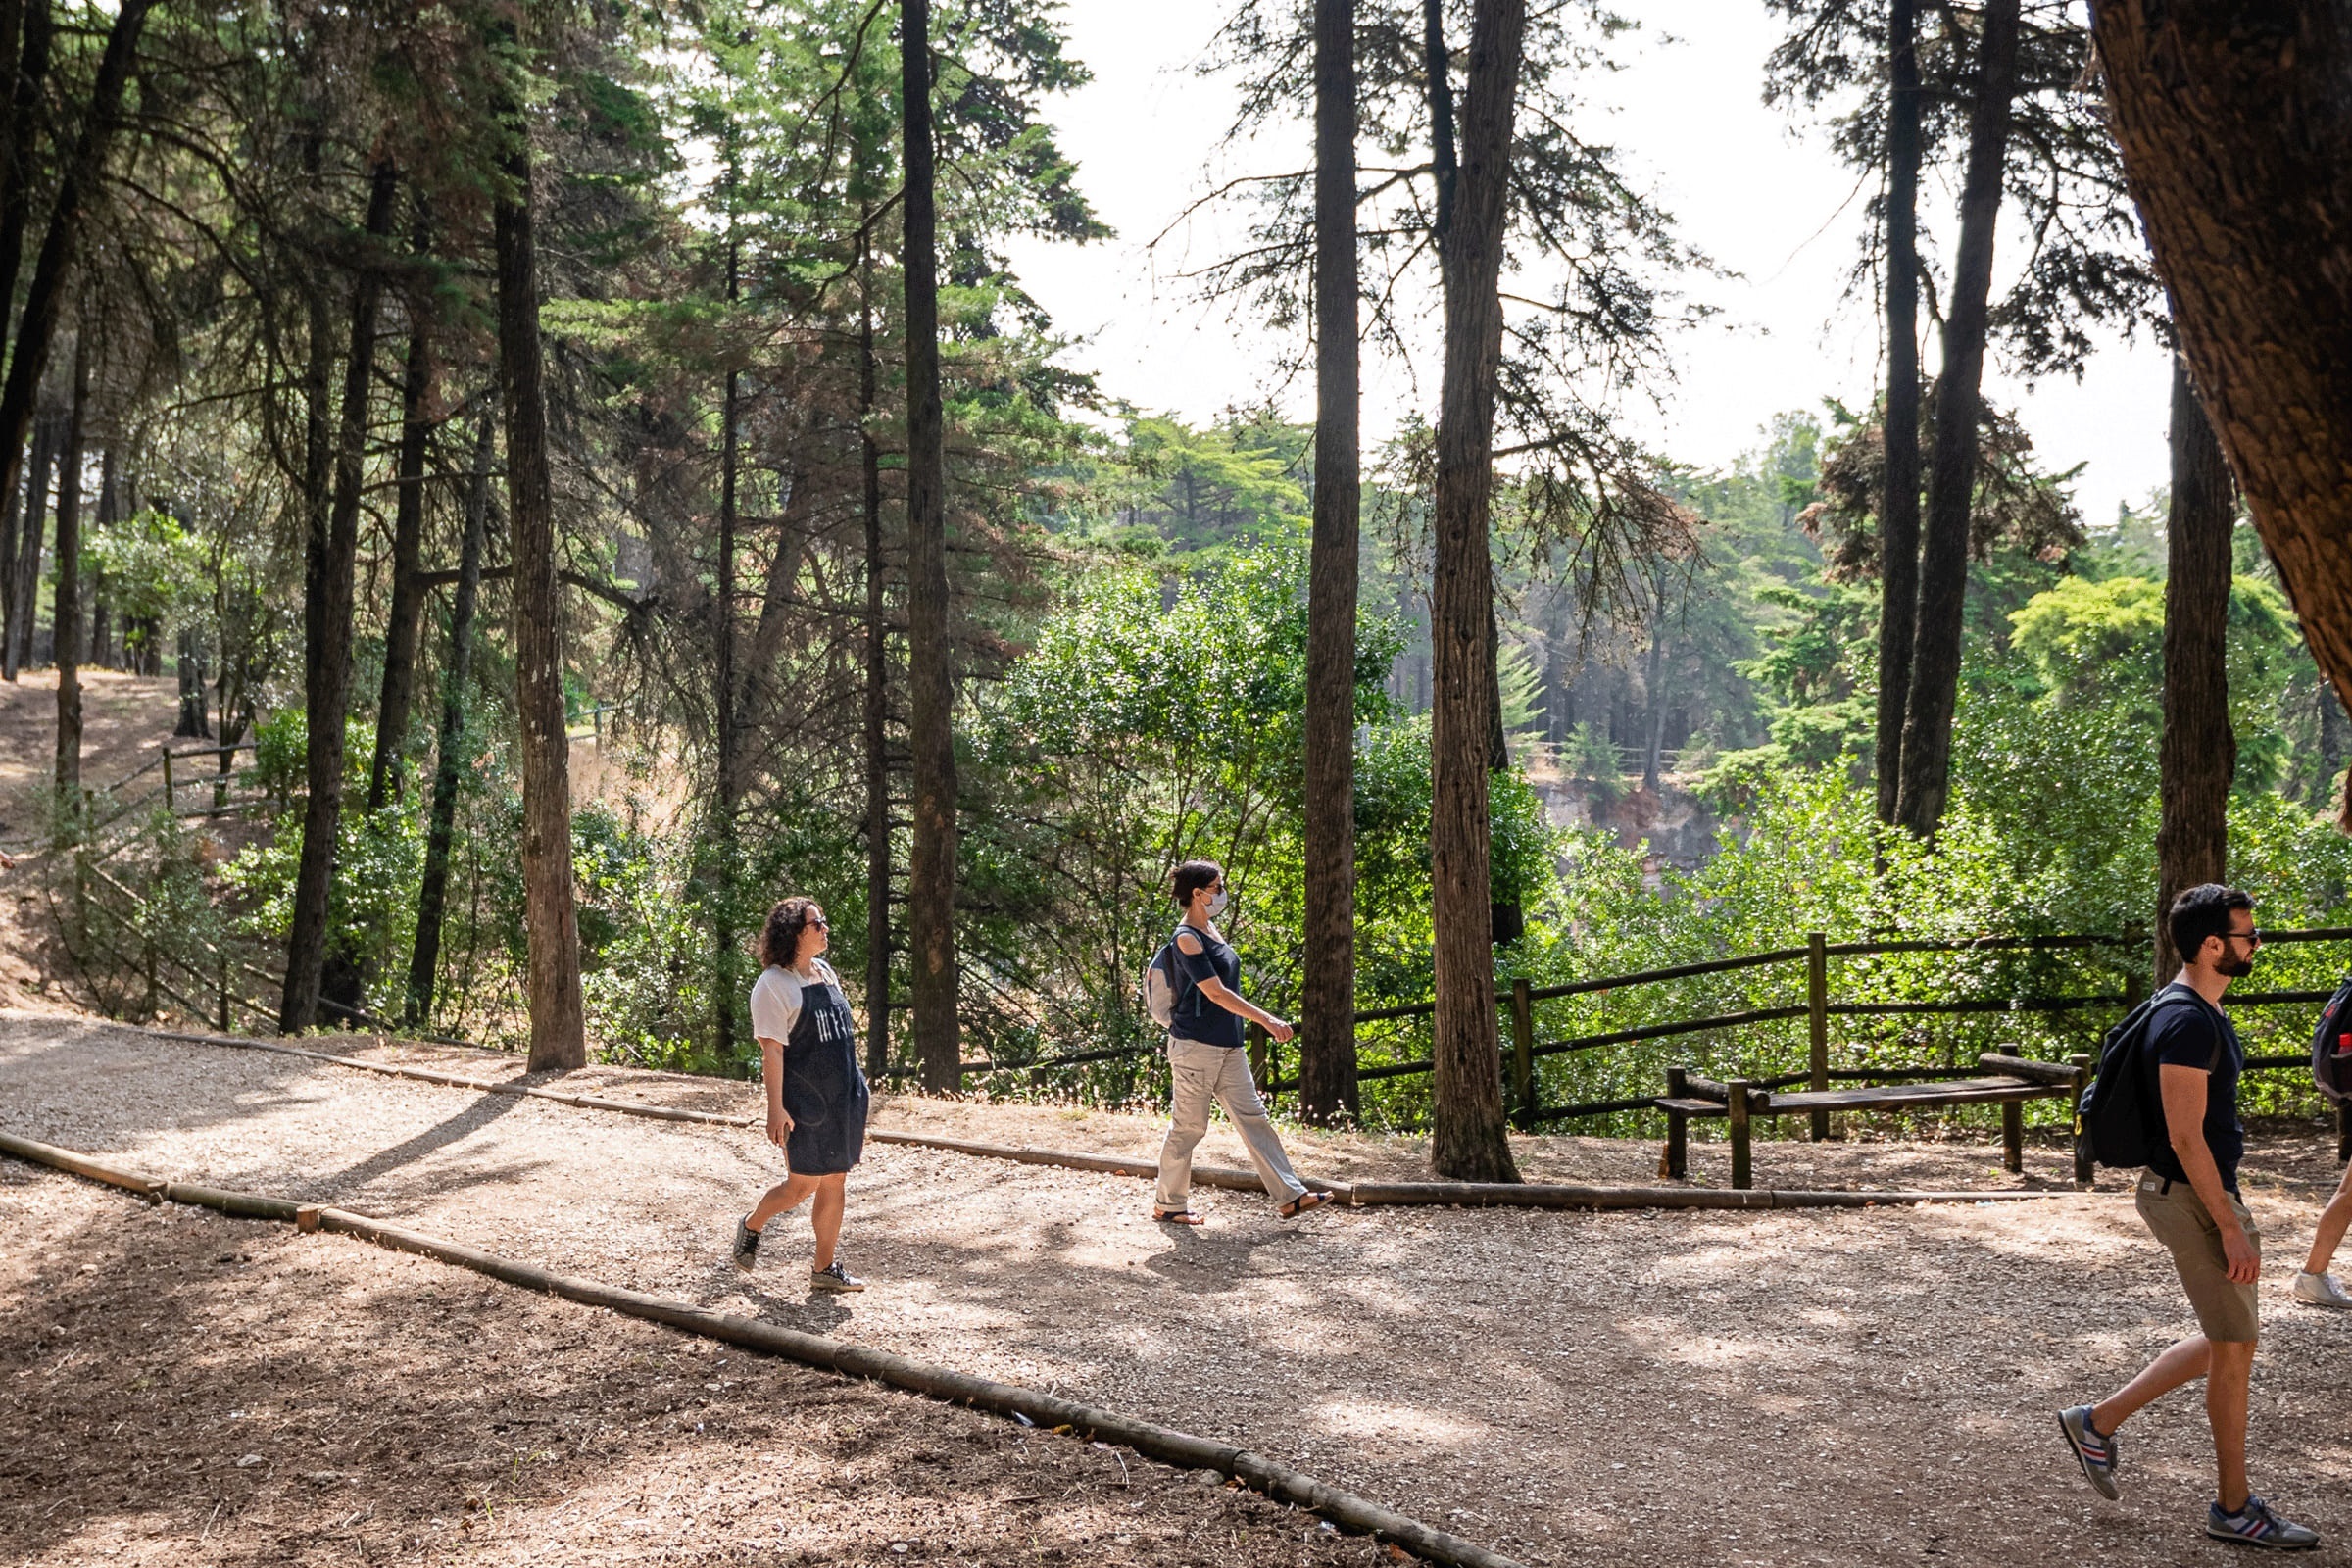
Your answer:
<point x="1647" y="1387"/>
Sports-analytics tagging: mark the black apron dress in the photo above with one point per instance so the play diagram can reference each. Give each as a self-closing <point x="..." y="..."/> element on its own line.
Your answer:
<point x="825" y="1092"/>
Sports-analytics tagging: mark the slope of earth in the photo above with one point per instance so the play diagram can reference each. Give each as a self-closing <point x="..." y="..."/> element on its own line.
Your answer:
<point x="185" y="1387"/>
<point x="1787" y="1387"/>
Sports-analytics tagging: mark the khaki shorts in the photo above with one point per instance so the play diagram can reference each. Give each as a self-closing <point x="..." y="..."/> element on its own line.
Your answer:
<point x="2225" y="1311"/>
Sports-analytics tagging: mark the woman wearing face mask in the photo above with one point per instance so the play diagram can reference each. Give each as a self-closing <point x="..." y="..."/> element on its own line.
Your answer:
<point x="1206" y="1061"/>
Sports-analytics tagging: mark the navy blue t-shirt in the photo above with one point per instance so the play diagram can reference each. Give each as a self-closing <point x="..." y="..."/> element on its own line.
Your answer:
<point x="1198" y="1017"/>
<point x="2195" y="1033"/>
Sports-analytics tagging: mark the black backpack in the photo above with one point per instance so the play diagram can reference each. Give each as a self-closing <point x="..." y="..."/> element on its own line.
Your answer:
<point x="2331" y="1047"/>
<point x="2121" y="1119"/>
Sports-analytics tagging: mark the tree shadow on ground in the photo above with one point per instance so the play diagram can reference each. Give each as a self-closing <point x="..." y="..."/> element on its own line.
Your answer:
<point x="221" y="1391"/>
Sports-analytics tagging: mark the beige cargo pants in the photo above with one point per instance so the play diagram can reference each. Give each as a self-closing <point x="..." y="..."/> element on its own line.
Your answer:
<point x="1202" y="1073"/>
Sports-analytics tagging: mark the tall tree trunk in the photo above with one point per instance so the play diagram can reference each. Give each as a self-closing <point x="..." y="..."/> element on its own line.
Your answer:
<point x="2236" y="136"/>
<point x="877" y="690"/>
<point x="1327" y="1086"/>
<point x="100" y="648"/>
<point x="931" y="692"/>
<point x="1469" y="1142"/>
<point x="449" y="749"/>
<point x="1653" y="684"/>
<point x="29" y="74"/>
<point x="37" y="329"/>
<point x="329" y="560"/>
<point x="1952" y="479"/>
<point x="23" y="566"/>
<point x="726" y="799"/>
<point x="65" y="609"/>
<point x="1898" y="520"/>
<point x="2198" y="754"/>
<point x="386" y="772"/>
<point x="551" y="917"/>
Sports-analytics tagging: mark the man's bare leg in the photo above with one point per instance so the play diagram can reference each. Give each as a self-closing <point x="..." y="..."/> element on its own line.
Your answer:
<point x="2226" y="1394"/>
<point x="2183" y="1362"/>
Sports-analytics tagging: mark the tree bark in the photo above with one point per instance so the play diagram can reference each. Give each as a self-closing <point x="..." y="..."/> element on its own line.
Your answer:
<point x="65" y="609"/>
<point x="2198" y="754"/>
<point x="1927" y="755"/>
<point x="877" y="690"/>
<point x="24" y="564"/>
<point x="1327" y="1085"/>
<point x="449" y="752"/>
<point x="2236" y="137"/>
<point x="931" y="694"/>
<point x="551" y="917"/>
<point x="99" y="649"/>
<point x="726" y="798"/>
<point x="1898" y="519"/>
<point x="387" y="779"/>
<point x="1469" y="1142"/>
<point x="1653" y="684"/>
<point x="29" y="74"/>
<point x="44" y="301"/>
<point x="330" y="560"/>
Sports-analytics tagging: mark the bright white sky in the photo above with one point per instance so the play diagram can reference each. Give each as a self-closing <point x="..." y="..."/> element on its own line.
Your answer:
<point x="1766" y="198"/>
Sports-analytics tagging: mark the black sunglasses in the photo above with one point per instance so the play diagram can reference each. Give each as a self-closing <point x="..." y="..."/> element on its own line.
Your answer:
<point x="820" y="921"/>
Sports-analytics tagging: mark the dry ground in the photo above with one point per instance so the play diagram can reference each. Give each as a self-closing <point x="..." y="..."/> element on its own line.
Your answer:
<point x="1640" y="1388"/>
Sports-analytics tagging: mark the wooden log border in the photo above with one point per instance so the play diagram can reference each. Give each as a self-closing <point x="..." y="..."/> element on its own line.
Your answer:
<point x="1356" y="1194"/>
<point x="1086" y="1422"/>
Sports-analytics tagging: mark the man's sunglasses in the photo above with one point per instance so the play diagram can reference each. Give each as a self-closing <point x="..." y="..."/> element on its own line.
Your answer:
<point x="2253" y="935"/>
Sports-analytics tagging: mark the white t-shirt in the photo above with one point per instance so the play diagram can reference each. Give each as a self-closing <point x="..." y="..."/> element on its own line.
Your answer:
<point x="776" y="999"/>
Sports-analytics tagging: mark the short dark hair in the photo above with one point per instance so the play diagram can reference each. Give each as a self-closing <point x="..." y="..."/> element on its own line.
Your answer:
<point x="1191" y="877"/>
<point x="780" y="937"/>
<point x="2203" y="912"/>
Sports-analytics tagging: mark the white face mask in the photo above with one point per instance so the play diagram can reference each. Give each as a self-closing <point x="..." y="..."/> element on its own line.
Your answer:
<point x="1217" y="902"/>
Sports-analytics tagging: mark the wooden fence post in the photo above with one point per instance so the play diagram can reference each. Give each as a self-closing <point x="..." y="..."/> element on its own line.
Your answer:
<point x="1523" y="1051"/>
<point x="1675" y="1161"/>
<point x="1741" y="1169"/>
<point x="228" y="1024"/>
<point x="1258" y="1042"/>
<point x="2081" y="1065"/>
<point x="2013" y="1136"/>
<point x="170" y="802"/>
<point x="1817" y="1009"/>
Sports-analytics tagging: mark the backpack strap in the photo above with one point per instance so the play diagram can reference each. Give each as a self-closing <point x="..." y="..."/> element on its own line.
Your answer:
<point x="2190" y="994"/>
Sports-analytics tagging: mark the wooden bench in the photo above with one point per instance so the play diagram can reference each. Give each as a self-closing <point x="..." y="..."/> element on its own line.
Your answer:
<point x="2009" y="1082"/>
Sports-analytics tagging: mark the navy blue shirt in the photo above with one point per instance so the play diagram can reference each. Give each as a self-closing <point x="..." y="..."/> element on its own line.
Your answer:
<point x="1196" y="1017"/>
<point x="2188" y="1031"/>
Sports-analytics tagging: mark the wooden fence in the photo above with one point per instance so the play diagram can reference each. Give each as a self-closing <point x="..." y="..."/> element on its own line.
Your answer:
<point x="1521" y="1049"/>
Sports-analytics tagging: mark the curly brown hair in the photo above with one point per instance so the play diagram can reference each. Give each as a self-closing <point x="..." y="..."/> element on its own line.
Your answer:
<point x="780" y="937"/>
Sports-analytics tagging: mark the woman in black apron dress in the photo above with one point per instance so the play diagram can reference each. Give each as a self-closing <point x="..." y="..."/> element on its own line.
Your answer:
<point x="816" y="1096"/>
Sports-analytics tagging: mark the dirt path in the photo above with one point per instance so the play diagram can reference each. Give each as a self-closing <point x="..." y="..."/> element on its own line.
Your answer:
<point x="1645" y="1387"/>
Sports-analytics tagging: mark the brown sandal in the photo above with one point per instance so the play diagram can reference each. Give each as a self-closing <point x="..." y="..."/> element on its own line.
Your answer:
<point x="1302" y="1202"/>
<point x="1176" y="1217"/>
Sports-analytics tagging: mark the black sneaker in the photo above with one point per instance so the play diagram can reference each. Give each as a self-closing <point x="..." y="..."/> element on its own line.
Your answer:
<point x="747" y="1244"/>
<point x="833" y="1277"/>
<point x="2096" y="1450"/>
<point x="2255" y="1525"/>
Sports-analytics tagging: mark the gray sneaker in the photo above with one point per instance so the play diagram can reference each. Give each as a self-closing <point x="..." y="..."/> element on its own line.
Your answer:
<point x="2096" y="1450"/>
<point x="833" y="1277"/>
<point x="2255" y="1525"/>
<point x="2321" y="1289"/>
<point x="747" y="1245"/>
